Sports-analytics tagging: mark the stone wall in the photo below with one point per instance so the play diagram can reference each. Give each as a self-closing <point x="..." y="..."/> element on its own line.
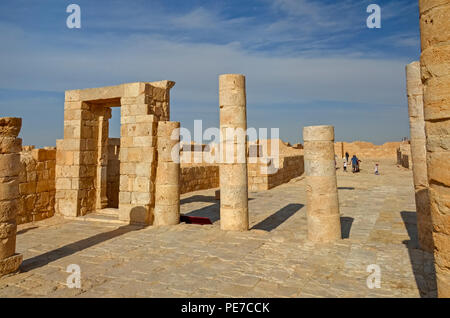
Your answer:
<point x="367" y="150"/>
<point x="36" y="184"/>
<point x="199" y="177"/>
<point x="404" y="157"/>
<point x="260" y="179"/>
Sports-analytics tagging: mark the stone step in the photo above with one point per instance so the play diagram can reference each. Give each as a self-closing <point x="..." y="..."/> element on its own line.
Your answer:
<point x="108" y="211"/>
<point x="99" y="217"/>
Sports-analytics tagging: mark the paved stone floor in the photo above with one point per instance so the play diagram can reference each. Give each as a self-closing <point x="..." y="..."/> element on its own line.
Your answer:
<point x="274" y="259"/>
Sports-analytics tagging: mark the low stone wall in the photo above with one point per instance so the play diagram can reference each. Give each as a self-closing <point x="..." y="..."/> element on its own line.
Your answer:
<point x="199" y="177"/>
<point x="259" y="178"/>
<point x="404" y="155"/>
<point x="36" y="184"/>
<point x="367" y="150"/>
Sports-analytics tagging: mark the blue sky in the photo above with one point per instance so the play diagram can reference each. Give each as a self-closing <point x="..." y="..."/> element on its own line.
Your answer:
<point x="307" y="62"/>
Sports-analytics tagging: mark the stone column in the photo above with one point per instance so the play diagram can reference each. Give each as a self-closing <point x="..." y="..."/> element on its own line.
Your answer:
<point x="414" y="90"/>
<point x="102" y="159"/>
<point x="233" y="148"/>
<point x="10" y="147"/>
<point x="435" y="71"/>
<point x="323" y="217"/>
<point x="167" y="184"/>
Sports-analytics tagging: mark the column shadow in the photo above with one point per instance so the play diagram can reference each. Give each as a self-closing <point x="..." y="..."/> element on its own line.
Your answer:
<point x="279" y="217"/>
<point x="199" y="198"/>
<point x="346" y="225"/>
<point x="211" y="212"/>
<point x="69" y="249"/>
<point x="422" y="262"/>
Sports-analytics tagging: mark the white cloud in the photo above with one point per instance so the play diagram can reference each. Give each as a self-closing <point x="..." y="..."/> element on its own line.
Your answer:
<point x="113" y="60"/>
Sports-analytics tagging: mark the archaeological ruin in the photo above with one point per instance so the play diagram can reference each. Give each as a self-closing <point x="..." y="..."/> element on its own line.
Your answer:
<point x="282" y="220"/>
<point x="435" y="73"/>
<point x="321" y="184"/>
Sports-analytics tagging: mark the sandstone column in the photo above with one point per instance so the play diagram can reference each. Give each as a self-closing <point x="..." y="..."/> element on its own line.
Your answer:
<point x="10" y="147"/>
<point x="323" y="217"/>
<point x="418" y="153"/>
<point x="167" y="184"/>
<point x="233" y="147"/>
<point x="435" y="71"/>
<point x="102" y="159"/>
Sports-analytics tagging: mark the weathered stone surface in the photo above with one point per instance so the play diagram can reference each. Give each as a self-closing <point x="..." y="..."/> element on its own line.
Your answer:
<point x="10" y="265"/>
<point x="435" y="73"/>
<point x="10" y="168"/>
<point x="10" y="126"/>
<point x="321" y="184"/>
<point x="418" y="154"/>
<point x="233" y="174"/>
<point x="10" y="145"/>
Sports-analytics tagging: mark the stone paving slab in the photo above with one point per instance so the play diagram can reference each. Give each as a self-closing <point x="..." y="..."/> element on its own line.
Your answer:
<point x="273" y="259"/>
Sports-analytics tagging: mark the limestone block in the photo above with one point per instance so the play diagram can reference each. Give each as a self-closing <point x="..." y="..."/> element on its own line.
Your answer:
<point x="166" y="215"/>
<point x="9" y="188"/>
<point x="9" y="165"/>
<point x="10" y="265"/>
<point x="168" y="173"/>
<point x="10" y="145"/>
<point x="135" y="214"/>
<point x="8" y="210"/>
<point x="10" y="126"/>
<point x="234" y="219"/>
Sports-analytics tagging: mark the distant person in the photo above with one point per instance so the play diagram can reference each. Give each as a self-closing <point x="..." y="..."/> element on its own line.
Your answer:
<point x="354" y="163"/>
<point x="376" y="169"/>
<point x="346" y="156"/>
<point x="345" y="166"/>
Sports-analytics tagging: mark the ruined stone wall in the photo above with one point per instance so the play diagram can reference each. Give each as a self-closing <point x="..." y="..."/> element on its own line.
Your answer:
<point x="259" y="178"/>
<point x="404" y="157"/>
<point x="36" y="184"/>
<point x="367" y="150"/>
<point x="199" y="177"/>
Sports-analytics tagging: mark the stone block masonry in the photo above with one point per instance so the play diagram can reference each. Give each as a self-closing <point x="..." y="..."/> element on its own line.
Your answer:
<point x="321" y="185"/>
<point x="82" y="156"/>
<point x="199" y="177"/>
<point x="435" y="73"/>
<point x="404" y="157"/>
<point x="10" y="146"/>
<point x="36" y="184"/>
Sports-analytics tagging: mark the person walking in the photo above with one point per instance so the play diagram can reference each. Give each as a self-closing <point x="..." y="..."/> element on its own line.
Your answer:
<point x="354" y="163"/>
<point x="346" y="156"/>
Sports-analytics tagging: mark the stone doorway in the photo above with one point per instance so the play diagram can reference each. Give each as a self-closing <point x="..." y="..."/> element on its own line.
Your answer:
<point x="84" y="153"/>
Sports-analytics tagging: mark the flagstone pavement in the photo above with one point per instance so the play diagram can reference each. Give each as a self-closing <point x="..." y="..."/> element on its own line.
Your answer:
<point x="273" y="259"/>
